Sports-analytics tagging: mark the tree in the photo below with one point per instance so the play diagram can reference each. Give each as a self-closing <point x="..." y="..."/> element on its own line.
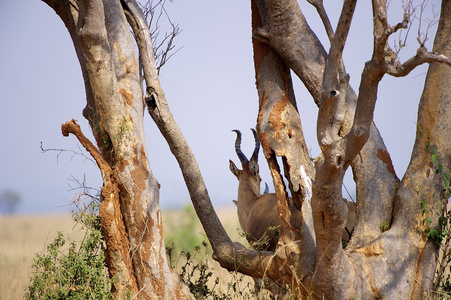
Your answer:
<point x="393" y="250"/>
<point x="9" y="200"/>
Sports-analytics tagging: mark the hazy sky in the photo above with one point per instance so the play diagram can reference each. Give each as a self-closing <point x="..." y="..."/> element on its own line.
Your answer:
<point x="210" y="87"/>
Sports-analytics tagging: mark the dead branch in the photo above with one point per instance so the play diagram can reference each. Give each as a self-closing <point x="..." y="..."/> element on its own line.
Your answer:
<point x="165" y="48"/>
<point x="74" y="153"/>
<point x="423" y="36"/>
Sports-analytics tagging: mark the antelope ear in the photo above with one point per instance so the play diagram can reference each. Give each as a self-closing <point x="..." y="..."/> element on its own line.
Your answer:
<point x="234" y="169"/>
<point x="235" y="202"/>
<point x="253" y="167"/>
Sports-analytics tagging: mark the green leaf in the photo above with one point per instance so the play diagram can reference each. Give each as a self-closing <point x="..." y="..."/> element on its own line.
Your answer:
<point x="433" y="157"/>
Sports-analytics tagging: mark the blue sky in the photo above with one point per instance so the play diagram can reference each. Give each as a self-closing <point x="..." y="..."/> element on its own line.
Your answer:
<point x="210" y="87"/>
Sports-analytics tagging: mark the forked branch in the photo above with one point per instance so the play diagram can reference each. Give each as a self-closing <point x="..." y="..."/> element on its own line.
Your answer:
<point x="422" y="56"/>
<point x="380" y="64"/>
<point x="335" y="83"/>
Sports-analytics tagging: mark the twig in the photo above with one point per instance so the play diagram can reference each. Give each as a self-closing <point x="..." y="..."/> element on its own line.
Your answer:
<point x="74" y="153"/>
<point x="163" y="49"/>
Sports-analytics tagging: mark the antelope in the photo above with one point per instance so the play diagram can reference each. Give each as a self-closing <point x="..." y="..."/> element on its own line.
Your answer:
<point x="256" y="212"/>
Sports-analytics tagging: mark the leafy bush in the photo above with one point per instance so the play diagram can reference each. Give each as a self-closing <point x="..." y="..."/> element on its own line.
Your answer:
<point x="70" y="270"/>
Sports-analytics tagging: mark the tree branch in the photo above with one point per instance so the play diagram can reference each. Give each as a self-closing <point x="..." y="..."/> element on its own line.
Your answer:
<point x="332" y="107"/>
<point x="421" y="57"/>
<point x="74" y="153"/>
<point x="224" y="249"/>
<point x="318" y="4"/>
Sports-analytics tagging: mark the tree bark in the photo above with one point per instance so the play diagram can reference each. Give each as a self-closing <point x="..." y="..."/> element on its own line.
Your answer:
<point x="347" y="136"/>
<point x="113" y="228"/>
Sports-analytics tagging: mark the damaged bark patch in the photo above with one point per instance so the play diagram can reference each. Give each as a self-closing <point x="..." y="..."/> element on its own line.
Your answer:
<point x="385" y="158"/>
<point x="140" y="172"/>
<point x="276" y="118"/>
<point x="263" y="137"/>
<point x="122" y="165"/>
<point x="374" y="249"/>
<point x="127" y="95"/>
<point x="127" y="66"/>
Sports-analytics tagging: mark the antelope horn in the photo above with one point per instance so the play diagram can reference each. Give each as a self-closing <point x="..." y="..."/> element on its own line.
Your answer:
<point x="257" y="145"/>
<point x="238" y="151"/>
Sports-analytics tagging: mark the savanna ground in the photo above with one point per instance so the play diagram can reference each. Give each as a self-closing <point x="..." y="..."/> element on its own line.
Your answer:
<point x="21" y="236"/>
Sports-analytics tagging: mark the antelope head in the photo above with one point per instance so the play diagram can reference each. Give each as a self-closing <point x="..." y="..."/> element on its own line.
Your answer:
<point x="249" y="178"/>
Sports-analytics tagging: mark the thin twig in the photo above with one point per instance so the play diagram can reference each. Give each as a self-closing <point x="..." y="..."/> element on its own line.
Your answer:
<point x="74" y="153"/>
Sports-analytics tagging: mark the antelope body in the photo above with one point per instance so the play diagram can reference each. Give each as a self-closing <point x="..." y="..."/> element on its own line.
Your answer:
<point x="256" y="212"/>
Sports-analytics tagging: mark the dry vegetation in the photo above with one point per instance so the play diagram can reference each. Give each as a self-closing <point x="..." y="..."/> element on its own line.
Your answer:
<point x="22" y="236"/>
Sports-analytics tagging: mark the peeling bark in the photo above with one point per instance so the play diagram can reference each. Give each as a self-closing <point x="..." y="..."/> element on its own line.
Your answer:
<point x="113" y="228"/>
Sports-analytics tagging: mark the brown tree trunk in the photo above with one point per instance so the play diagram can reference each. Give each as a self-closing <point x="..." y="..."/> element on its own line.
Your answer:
<point x="104" y="46"/>
<point x="400" y="262"/>
<point x="113" y="228"/>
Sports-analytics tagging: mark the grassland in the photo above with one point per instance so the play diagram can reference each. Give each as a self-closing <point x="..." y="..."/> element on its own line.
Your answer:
<point x="23" y="236"/>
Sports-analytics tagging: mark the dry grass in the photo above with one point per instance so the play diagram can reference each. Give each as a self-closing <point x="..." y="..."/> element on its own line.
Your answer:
<point x="20" y="238"/>
<point x="23" y="236"/>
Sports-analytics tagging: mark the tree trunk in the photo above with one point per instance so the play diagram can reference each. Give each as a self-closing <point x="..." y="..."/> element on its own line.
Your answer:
<point x="106" y="52"/>
<point x="400" y="262"/>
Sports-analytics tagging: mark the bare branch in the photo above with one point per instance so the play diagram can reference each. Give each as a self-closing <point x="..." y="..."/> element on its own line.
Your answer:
<point x="423" y="36"/>
<point x="402" y="41"/>
<point x="74" y="153"/>
<point x="410" y="15"/>
<point x="421" y="57"/>
<point x="165" y="48"/>
<point x="318" y="4"/>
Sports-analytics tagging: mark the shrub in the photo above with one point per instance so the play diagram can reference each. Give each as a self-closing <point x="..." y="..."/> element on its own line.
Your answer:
<point x="70" y="270"/>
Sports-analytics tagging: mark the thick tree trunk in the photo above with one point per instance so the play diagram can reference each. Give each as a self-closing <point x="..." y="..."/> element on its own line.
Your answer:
<point x="106" y="52"/>
<point x="344" y="127"/>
